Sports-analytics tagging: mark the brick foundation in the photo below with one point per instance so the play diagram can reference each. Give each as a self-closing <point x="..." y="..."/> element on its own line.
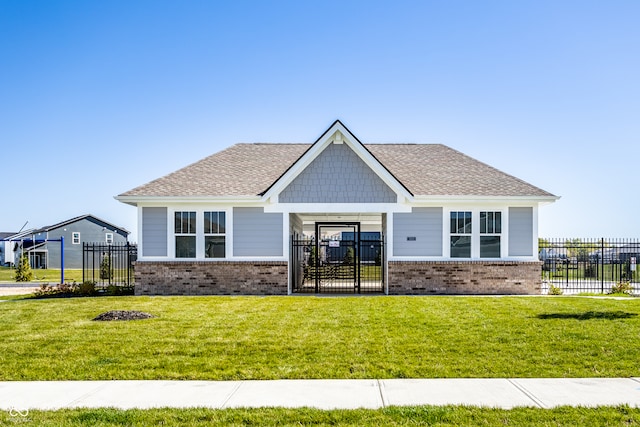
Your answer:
<point x="464" y="278"/>
<point x="211" y="278"/>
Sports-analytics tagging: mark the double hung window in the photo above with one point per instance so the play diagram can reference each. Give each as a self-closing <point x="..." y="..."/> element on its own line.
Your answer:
<point x="214" y="234"/>
<point x="490" y="230"/>
<point x="460" y="234"/>
<point x="185" y="231"/>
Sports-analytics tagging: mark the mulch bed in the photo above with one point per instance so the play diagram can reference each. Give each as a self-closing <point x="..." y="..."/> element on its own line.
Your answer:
<point x="123" y="315"/>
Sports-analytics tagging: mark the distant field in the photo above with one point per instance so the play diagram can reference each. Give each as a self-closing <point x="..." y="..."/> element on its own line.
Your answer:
<point x="44" y="275"/>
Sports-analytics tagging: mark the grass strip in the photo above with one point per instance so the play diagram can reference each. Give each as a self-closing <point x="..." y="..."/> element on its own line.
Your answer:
<point x="391" y="416"/>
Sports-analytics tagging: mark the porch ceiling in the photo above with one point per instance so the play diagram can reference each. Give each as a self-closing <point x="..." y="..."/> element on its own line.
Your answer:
<point x="363" y="218"/>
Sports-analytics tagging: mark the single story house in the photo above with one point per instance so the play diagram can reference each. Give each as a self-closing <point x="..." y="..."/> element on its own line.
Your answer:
<point x="257" y="219"/>
<point x="43" y="245"/>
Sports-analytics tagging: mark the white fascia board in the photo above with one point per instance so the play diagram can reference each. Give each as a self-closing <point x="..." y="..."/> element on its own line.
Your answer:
<point x="156" y="201"/>
<point x="520" y="200"/>
<point x="337" y="208"/>
<point x="347" y="138"/>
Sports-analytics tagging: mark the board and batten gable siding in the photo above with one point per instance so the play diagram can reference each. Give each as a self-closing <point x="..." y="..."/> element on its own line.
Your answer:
<point x="337" y="175"/>
<point x="520" y="231"/>
<point x="418" y="233"/>
<point x="154" y="231"/>
<point x="256" y="233"/>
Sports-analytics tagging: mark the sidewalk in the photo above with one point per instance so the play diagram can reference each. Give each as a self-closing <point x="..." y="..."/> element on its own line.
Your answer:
<point x="15" y="288"/>
<point x="322" y="394"/>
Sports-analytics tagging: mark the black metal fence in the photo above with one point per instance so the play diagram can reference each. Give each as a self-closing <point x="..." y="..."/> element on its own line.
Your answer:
<point x="107" y="265"/>
<point x="337" y="266"/>
<point x="590" y="265"/>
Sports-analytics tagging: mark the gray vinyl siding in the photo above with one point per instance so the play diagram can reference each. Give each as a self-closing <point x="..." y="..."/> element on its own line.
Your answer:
<point x="256" y="233"/>
<point x="154" y="231"/>
<point x="520" y="231"/>
<point x="91" y="231"/>
<point x="423" y="224"/>
<point x="337" y="175"/>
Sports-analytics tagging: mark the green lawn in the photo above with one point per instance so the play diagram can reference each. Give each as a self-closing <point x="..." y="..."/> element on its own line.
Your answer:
<point x="44" y="275"/>
<point x="228" y="338"/>
<point x="392" y="416"/>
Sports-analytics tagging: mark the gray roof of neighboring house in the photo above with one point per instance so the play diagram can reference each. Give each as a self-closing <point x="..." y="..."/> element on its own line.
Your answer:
<point x="424" y="170"/>
<point x="79" y="218"/>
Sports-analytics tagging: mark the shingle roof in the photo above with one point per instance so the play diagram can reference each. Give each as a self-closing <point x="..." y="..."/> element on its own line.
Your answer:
<point x="424" y="169"/>
<point x="437" y="170"/>
<point x="76" y="219"/>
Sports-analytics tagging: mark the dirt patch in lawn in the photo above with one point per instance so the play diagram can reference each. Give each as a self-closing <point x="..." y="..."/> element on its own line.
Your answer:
<point x="122" y="315"/>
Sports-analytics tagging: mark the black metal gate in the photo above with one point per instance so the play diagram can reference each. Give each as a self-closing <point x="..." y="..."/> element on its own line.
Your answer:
<point x="343" y="263"/>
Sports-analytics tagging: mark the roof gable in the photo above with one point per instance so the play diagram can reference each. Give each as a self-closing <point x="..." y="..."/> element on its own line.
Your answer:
<point x="337" y="175"/>
<point x="336" y="135"/>
<point x="87" y="217"/>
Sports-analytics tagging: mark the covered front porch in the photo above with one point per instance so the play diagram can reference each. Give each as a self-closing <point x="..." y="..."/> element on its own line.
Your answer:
<point x="340" y="253"/>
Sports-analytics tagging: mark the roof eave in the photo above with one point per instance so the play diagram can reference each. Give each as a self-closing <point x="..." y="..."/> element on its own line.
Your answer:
<point x="542" y="200"/>
<point x="135" y="200"/>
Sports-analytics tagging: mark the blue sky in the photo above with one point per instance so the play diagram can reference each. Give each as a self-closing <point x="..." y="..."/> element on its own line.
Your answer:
<point x="99" y="97"/>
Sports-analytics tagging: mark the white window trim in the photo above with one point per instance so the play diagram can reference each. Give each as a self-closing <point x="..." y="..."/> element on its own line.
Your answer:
<point x="75" y="236"/>
<point x="500" y="234"/>
<point x="108" y="238"/>
<point x="475" y="232"/>
<point x="197" y="233"/>
<point x="205" y="234"/>
<point x="199" y="210"/>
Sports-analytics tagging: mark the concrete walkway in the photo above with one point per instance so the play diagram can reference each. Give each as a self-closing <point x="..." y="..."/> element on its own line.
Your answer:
<point x="15" y="288"/>
<point x="322" y="394"/>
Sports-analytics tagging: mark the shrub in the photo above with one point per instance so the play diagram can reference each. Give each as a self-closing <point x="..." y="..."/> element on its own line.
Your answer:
<point x="61" y="290"/>
<point x="555" y="290"/>
<point x="622" y="288"/>
<point x="23" y="270"/>
<point x="591" y="270"/>
<point x="115" y="290"/>
<point x="85" y="288"/>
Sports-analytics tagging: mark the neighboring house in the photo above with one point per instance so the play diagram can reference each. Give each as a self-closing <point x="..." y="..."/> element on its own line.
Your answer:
<point x="6" y="252"/>
<point x="9" y="242"/>
<point x="44" y="251"/>
<point x="230" y="223"/>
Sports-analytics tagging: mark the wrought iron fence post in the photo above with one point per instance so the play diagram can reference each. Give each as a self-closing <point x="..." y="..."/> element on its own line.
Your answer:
<point x="602" y="265"/>
<point x="128" y="260"/>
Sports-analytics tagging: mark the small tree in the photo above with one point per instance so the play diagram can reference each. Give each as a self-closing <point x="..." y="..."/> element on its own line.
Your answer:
<point x="105" y="267"/>
<point x="313" y="254"/>
<point x="23" y="270"/>
<point x="349" y="257"/>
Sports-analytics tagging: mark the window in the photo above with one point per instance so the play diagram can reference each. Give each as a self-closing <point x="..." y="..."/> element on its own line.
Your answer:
<point x="185" y="231"/>
<point x="460" y="234"/>
<point x="490" y="230"/>
<point x="214" y="234"/>
<point x="75" y="238"/>
<point x="108" y="237"/>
